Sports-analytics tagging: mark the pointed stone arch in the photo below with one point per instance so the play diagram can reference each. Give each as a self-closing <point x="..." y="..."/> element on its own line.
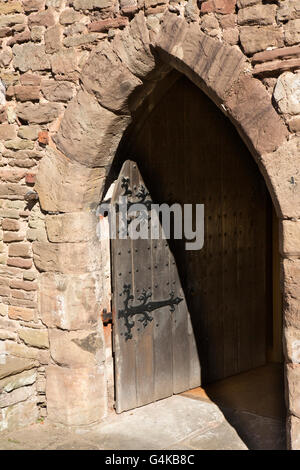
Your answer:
<point x="114" y="82"/>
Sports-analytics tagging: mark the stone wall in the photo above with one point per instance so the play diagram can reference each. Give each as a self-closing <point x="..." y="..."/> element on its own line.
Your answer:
<point x="51" y="285"/>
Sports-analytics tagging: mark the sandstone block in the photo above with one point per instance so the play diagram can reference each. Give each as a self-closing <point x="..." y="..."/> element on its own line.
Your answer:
<point x="69" y="302"/>
<point x="16" y="396"/>
<point x="57" y="91"/>
<point x="53" y="38"/>
<point x="39" y="113"/>
<point x="250" y="107"/>
<point x="218" y="6"/>
<point x="7" y="21"/>
<point x="105" y="25"/>
<point x="294" y="124"/>
<point x="66" y="257"/>
<point x="110" y="81"/>
<point x="7" y="131"/>
<point x="293" y="378"/>
<point x="73" y="227"/>
<point x="82" y="39"/>
<point x="290" y="237"/>
<point x="30" y="56"/>
<point x="257" y="15"/>
<point x="69" y="16"/>
<point x="208" y="76"/>
<point x="12" y="366"/>
<point x="75" y="396"/>
<point x="10" y="7"/>
<point x="28" y="132"/>
<point x="292" y="344"/>
<point x="294" y="433"/>
<point x="27" y="93"/>
<point x="28" y="377"/>
<point x="20" y="263"/>
<point x="288" y="10"/>
<point x="33" y="5"/>
<point x="281" y="170"/>
<point x="20" y="415"/>
<point x="76" y="349"/>
<point x="19" y="249"/>
<point x="133" y="47"/>
<point x="24" y="285"/>
<point x="287" y="93"/>
<point x="67" y="186"/>
<point x="18" y="144"/>
<point x="292" y="32"/>
<point x="64" y="62"/>
<point x="42" y="18"/>
<point x="30" y="79"/>
<point x="34" y="337"/>
<point x="98" y="131"/>
<point x="256" y="38"/>
<point x="91" y="4"/>
<point x="11" y="225"/>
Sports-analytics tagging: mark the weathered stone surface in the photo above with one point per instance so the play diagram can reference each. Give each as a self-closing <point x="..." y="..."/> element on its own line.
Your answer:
<point x="191" y="10"/>
<point x="67" y="186"/>
<point x="20" y="313"/>
<point x="42" y="18"/>
<point x="30" y="56"/>
<point x="28" y="377"/>
<point x="133" y="47"/>
<point x="294" y="433"/>
<point x="57" y="91"/>
<point x="256" y="38"/>
<point x="281" y="169"/>
<point x="110" y="81"/>
<point x="82" y="39"/>
<point x="9" y="224"/>
<point x="292" y="32"/>
<point x="250" y="107"/>
<point x="28" y="132"/>
<point x="257" y="15"/>
<point x="288" y="10"/>
<point x="293" y="379"/>
<point x="287" y="93"/>
<point x="19" y="249"/>
<point x="16" y="396"/>
<point x="33" y="5"/>
<point x="73" y="227"/>
<point x="292" y="344"/>
<point x="34" y="337"/>
<point x="76" y="348"/>
<point x="70" y="302"/>
<point x="12" y="365"/>
<point x="24" y="285"/>
<point x="6" y="334"/>
<point x="290" y="237"/>
<point x="291" y="274"/>
<point x="104" y="25"/>
<point x="91" y="4"/>
<point x="25" y="36"/>
<point x="53" y="38"/>
<point x="64" y="62"/>
<point x="75" y="396"/>
<point x="19" y="415"/>
<point x="294" y="124"/>
<point x="30" y="79"/>
<point x="210" y="25"/>
<point x="11" y="20"/>
<point x="7" y="131"/>
<point x="69" y="16"/>
<point x="218" y="6"/>
<point x="90" y="133"/>
<point x="5" y="57"/>
<point x="18" y="144"/>
<point x="10" y="7"/>
<point x="39" y="113"/>
<point x="66" y="257"/>
<point x="27" y="93"/>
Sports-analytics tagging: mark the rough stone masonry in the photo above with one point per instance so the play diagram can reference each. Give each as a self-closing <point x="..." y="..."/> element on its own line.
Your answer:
<point x="71" y="74"/>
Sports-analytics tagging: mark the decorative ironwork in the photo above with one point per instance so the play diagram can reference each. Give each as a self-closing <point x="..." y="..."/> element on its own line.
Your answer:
<point x="145" y="307"/>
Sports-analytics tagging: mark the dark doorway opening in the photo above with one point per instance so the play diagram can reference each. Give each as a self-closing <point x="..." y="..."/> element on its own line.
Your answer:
<point x="188" y="152"/>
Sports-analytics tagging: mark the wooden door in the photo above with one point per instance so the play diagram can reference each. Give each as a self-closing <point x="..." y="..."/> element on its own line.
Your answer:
<point x="155" y="350"/>
<point x="189" y="152"/>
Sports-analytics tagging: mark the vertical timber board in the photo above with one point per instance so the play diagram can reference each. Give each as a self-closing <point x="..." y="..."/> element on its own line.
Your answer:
<point x="124" y="351"/>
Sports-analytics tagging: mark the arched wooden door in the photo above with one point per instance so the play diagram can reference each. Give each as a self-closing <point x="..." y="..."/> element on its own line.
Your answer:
<point x="189" y="152"/>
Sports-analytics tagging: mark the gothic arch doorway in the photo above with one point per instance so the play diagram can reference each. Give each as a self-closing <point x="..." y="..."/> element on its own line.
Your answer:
<point x="188" y="152"/>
